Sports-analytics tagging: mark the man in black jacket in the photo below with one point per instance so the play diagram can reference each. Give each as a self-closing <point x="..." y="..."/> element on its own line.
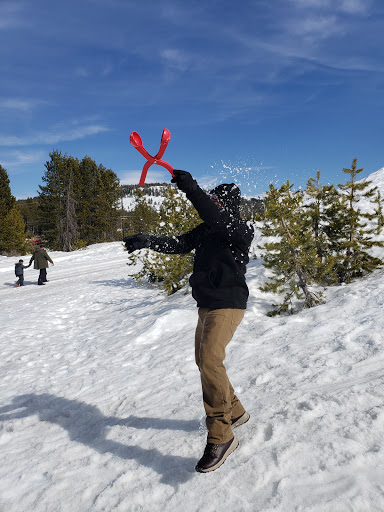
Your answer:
<point x="218" y="284"/>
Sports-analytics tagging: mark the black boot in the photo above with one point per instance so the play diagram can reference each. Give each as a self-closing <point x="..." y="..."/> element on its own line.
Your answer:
<point x="215" y="455"/>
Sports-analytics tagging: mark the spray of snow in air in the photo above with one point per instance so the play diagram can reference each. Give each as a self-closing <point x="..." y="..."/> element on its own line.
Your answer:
<point x="252" y="178"/>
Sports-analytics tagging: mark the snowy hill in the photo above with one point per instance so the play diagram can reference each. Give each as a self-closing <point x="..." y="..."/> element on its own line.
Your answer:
<point x="377" y="180"/>
<point x="100" y="400"/>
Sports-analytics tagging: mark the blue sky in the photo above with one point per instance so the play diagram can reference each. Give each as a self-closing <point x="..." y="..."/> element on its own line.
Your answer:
<point x="252" y="91"/>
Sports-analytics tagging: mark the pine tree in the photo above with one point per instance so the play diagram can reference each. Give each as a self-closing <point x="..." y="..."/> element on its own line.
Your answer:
<point x="52" y="197"/>
<point x="378" y="212"/>
<point x="12" y="233"/>
<point x="69" y="228"/>
<point x="170" y="271"/>
<point x="143" y="218"/>
<point x="12" y="227"/>
<point x="292" y="258"/>
<point x="251" y="209"/>
<point x="7" y="201"/>
<point x="29" y="210"/>
<point x="355" y="259"/>
<point x="86" y="207"/>
<point x="318" y="208"/>
<point x="79" y="198"/>
<point x="107" y="195"/>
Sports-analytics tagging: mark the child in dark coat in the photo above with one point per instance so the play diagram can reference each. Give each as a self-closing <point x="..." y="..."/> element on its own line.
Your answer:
<point x="19" y="272"/>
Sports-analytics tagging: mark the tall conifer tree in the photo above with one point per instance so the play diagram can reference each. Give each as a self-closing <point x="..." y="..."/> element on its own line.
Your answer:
<point x="292" y="257"/>
<point x="355" y="259"/>
<point x="79" y="198"/>
<point x="69" y="228"/>
<point x="12" y="233"/>
<point x="12" y="227"/>
<point x="7" y="200"/>
<point x="318" y="208"/>
<point x="107" y="191"/>
<point x="29" y="211"/>
<point x="52" y="197"/>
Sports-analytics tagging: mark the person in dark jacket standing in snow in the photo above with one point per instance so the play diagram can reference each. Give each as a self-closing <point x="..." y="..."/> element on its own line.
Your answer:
<point x="41" y="258"/>
<point x="218" y="284"/>
<point x="19" y="272"/>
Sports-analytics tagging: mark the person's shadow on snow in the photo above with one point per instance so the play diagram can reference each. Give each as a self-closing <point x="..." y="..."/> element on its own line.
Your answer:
<point x="87" y="425"/>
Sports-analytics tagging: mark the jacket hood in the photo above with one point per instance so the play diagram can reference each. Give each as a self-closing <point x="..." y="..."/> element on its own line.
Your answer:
<point x="229" y="194"/>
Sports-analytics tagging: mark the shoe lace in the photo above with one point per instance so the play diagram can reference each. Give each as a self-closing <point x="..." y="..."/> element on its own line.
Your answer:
<point x="210" y="449"/>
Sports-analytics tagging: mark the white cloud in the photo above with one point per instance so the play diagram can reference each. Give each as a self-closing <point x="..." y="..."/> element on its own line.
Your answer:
<point x="355" y="6"/>
<point x="320" y="27"/>
<point x="19" y="163"/>
<point x="349" y="6"/>
<point x="53" y="136"/>
<point x="82" y="72"/>
<point x="175" y="59"/>
<point x="20" y="158"/>
<point x="308" y="36"/>
<point x="19" y="104"/>
<point x="9" y="14"/>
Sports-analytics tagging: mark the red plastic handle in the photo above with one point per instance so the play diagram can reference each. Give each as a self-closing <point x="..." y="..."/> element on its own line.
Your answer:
<point x="135" y="140"/>
<point x="137" y="143"/>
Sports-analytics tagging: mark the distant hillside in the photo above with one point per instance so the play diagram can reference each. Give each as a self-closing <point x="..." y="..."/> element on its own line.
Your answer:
<point x="153" y="193"/>
<point x="149" y="189"/>
<point x="377" y="179"/>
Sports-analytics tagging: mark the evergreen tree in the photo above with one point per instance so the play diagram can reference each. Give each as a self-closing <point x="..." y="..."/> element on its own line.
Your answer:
<point x="355" y="259"/>
<point x="12" y="233"/>
<point x="86" y="207"/>
<point x="251" y="209"/>
<point x="69" y="229"/>
<point x="97" y="193"/>
<point x="52" y="197"/>
<point x="172" y="271"/>
<point x="319" y="209"/>
<point x="7" y="201"/>
<point x="292" y="257"/>
<point x="29" y="210"/>
<point x="12" y="227"/>
<point x="107" y="191"/>
<point x="378" y="212"/>
<point x="78" y="203"/>
<point x="143" y="218"/>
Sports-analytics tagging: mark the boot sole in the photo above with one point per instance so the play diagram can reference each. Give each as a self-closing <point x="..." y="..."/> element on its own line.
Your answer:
<point x="231" y="449"/>
<point x="243" y="419"/>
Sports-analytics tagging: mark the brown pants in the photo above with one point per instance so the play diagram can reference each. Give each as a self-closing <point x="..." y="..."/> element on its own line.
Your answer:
<point x="214" y="331"/>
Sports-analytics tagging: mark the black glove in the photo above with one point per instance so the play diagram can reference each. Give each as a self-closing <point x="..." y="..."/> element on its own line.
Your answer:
<point x="135" y="242"/>
<point x="184" y="181"/>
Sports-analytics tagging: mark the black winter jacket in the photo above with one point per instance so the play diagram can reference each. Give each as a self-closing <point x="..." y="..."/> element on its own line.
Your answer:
<point x="222" y="243"/>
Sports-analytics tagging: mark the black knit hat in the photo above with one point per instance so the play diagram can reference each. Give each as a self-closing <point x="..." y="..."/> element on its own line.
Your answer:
<point x="228" y="194"/>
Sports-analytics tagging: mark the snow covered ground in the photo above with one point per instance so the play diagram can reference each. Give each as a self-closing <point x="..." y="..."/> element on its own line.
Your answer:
<point x="100" y="404"/>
